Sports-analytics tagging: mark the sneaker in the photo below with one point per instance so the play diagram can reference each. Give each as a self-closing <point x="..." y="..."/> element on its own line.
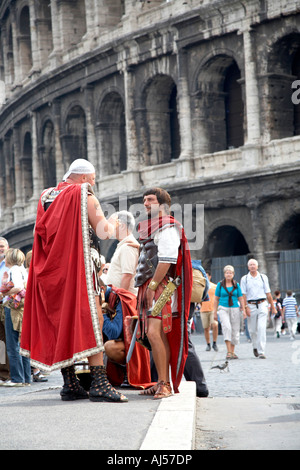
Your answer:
<point x="9" y="383"/>
<point x="215" y="347"/>
<point x="208" y="347"/>
<point x="39" y="377"/>
<point x="255" y="352"/>
<point x="262" y="356"/>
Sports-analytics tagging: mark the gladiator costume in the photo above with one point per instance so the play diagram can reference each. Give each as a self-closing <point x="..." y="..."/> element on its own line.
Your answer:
<point x="174" y="323"/>
<point x="60" y="320"/>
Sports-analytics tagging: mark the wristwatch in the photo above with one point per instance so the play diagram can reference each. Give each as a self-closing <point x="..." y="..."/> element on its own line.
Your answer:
<point x="153" y="285"/>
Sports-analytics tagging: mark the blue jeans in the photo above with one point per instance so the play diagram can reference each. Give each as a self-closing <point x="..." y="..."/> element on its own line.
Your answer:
<point x="19" y="366"/>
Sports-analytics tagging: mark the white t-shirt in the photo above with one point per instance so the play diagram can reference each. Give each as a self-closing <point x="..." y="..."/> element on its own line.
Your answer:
<point x="168" y="242"/>
<point x="124" y="261"/>
<point x="255" y="287"/>
<point x="19" y="276"/>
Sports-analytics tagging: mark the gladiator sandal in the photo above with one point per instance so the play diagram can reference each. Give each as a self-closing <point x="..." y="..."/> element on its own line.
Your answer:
<point x="164" y="390"/>
<point x="72" y="390"/>
<point x="101" y="389"/>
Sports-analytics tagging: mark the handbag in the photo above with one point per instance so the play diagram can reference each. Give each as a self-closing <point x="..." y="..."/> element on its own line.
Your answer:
<point x="16" y="318"/>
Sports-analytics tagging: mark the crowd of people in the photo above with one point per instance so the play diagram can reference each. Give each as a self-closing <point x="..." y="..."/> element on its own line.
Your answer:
<point x="232" y="305"/>
<point x="130" y="319"/>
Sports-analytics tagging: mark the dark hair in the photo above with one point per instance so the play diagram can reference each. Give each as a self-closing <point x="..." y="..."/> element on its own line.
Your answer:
<point x="163" y="196"/>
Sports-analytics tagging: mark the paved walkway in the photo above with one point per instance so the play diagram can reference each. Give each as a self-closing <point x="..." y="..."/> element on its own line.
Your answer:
<point x="256" y="405"/>
<point x="35" y="418"/>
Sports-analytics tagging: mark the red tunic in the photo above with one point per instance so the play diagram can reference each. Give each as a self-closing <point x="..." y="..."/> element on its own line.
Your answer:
<point x="60" y="321"/>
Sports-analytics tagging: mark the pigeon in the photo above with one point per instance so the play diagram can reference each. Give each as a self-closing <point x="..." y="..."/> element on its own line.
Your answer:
<point x="222" y="367"/>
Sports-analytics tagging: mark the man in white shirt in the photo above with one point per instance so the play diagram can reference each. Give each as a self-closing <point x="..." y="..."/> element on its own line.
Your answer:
<point x="257" y="294"/>
<point x="123" y="264"/>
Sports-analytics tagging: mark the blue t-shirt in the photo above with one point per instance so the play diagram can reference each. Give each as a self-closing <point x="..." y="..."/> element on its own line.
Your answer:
<point x="113" y="328"/>
<point x="224" y="297"/>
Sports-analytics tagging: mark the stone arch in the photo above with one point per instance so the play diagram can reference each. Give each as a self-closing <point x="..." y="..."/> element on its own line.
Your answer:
<point x="25" y="50"/>
<point x="74" y="138"/>
<point x="160" y="120"/>
<point x="283" y="69"/>
<point x="288" y="236"/>
<point x="111" y="134"/>
<point x="218" y="104"/>
<point x="44" y="29"/>
<point x="47" y="154"/>
<point x="26" y="167"/>
<point x="226" y="240"/>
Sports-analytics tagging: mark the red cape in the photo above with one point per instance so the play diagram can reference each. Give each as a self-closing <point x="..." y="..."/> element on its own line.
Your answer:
<point x="178" y="336"/>
<point x="60" y="321"/>
<point x="138" y="368"/>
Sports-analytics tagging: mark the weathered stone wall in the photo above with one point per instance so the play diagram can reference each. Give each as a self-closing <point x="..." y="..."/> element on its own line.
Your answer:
<point x="145" y="90"/>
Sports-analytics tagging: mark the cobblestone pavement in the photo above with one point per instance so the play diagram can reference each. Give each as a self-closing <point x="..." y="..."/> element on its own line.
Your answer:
<point x="253" y="403"/>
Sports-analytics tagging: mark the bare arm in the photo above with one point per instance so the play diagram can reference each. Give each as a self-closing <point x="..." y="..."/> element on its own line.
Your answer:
<point x="216" y="303"/>
<point x="242" y="304"/>
<point x="103" y="228"/>
<point x="247" y="308"/>
<point x="125" y="280"/>
<point x="270" y="299"/>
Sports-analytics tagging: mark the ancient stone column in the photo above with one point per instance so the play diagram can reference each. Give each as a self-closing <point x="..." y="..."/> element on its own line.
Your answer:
<point x="251" y="88"/>
<point x="272" y="258"/>
<point x="255" y="223"/>
<point x="18" y="189"/>
<point x="90" y="130"/>
<point x="60" y="170"/>
<point x="36" y="171"/>
<point x="133" y="161"/>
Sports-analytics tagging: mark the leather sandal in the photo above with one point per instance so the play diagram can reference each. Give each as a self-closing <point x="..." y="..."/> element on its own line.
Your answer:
<point x="149" y="391"/>
<point x="101" y="389"/>
<point x="164" y="390"/>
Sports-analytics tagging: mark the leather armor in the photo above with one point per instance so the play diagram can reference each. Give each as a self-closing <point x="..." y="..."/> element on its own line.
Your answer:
<point x="147" y="263"/>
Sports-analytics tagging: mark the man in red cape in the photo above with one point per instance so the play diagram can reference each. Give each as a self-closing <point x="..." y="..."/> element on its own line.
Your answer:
<point x="62" y="320"/>
<point x="165" y="254"/>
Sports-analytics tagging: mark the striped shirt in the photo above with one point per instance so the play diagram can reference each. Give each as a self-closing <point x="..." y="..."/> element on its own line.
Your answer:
<point x="290" y="307"/>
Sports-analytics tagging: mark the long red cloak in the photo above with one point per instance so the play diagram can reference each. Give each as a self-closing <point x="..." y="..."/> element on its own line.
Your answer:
<point x="60" y="321"/>
<point x="178" y="336"/>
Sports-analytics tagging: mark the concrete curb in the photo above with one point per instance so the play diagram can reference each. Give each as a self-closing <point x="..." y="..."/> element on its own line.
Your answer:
<point x="173" y="426"/>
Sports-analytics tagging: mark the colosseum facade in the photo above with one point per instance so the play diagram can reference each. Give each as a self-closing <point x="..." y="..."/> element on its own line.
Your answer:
<point x="197" y="96"/>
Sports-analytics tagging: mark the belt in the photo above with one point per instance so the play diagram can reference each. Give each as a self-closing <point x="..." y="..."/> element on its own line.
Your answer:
<point x="256" y="302"/>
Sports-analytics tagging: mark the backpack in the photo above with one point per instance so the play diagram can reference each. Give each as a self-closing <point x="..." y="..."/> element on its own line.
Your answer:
<point x="200" y="283"/>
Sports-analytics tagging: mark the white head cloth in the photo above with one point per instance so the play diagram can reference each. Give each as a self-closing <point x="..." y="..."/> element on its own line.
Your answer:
<point x="80" y="167"/>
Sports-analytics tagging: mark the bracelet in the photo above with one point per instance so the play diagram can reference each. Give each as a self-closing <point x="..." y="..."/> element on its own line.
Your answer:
<point x="153" y="285"/>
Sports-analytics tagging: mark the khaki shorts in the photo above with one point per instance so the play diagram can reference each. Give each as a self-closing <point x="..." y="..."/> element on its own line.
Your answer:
<point x="207" y="319"/>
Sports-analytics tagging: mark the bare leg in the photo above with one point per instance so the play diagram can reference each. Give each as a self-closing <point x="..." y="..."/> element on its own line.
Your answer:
<point x="97" y="359"/>
<point x="115" y="351"/>
<point x="160" y="349"/>
<point x="207" y="335"/>
<point x="215" y="331"/>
